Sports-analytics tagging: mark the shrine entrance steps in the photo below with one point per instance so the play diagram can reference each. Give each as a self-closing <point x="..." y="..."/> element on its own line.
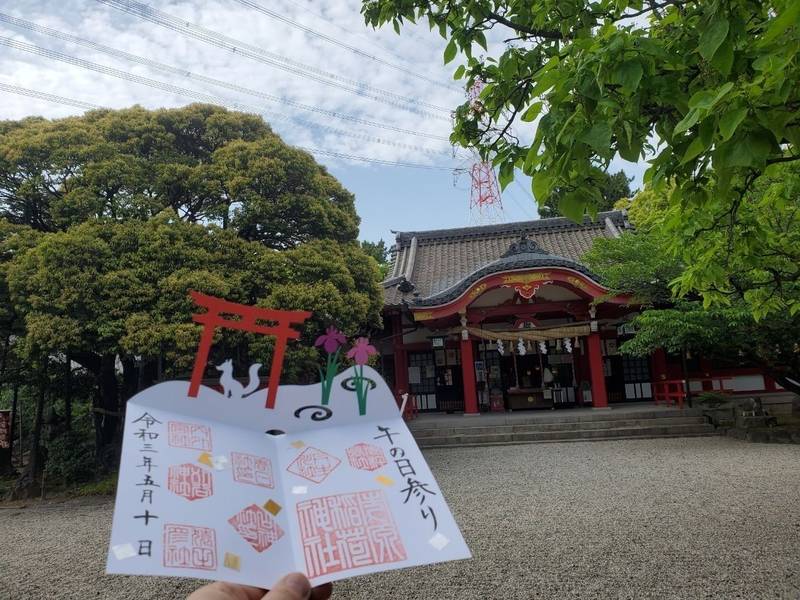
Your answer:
<point x="577" y="425"/>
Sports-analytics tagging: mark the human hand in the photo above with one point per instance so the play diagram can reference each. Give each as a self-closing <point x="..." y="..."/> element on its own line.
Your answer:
<point x="295" y="586"/>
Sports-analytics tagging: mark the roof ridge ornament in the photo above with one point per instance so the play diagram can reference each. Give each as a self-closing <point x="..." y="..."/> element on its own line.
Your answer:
<point x="524" y="245"/>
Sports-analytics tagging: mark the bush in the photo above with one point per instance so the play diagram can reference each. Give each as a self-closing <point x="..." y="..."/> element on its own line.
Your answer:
<point x="70" y="459"/>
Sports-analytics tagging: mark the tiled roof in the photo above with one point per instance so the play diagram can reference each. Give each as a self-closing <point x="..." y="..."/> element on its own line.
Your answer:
<point x="436" y="261"/>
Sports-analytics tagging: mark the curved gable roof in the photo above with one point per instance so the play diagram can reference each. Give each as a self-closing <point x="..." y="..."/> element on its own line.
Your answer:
<point x="439" y="262"/>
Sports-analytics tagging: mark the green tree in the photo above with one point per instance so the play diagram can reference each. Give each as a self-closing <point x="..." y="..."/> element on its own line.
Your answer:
<point x="613" y="188"/>
<point x="380" y="253"/>
<point x="111" y="218"/>
<point x="206" y="163"/>
<point x="707" y="89"/>
<point x="640" y="263"/>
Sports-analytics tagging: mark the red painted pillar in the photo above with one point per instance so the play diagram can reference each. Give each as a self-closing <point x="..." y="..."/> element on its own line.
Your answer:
<point x="659" y="364"/>
<point x="400" y="359"/>
<point x="468" y="374"/>
<point x="595" y="355"/>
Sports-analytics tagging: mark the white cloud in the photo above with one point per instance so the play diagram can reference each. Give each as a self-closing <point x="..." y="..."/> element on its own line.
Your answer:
<point x="102" y="24"/>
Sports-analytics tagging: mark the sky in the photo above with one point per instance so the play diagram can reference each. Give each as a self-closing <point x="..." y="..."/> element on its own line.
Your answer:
<point x="307" y="56"/>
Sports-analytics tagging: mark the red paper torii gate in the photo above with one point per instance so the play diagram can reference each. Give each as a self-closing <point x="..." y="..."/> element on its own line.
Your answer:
<point x="254" y="320"/>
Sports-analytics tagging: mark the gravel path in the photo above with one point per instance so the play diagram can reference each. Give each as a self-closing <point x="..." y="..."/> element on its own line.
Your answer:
<point x="670" y="518"/>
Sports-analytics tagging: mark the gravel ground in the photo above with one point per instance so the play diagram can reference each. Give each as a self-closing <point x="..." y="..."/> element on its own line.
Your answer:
<point x="669" y="518"/>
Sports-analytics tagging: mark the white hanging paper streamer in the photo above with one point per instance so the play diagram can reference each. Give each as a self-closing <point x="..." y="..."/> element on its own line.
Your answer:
<point x="521" y="347"/>
<point x="568" y="345"/>
<point x="543" y="347"/>
<point x="500" y="347"/>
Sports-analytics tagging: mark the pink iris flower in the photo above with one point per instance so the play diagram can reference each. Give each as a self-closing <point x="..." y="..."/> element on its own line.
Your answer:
<point x="331" y="340"/>
<point x="361" y="351"/>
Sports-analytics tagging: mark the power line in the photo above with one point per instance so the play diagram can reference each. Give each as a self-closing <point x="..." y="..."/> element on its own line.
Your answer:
<point x="22" y="23"/>
<point x="195" y="95"/>
<point x="275" y="60"/>
<point x="332" y="40"/>
<point x="13" y="89"/>
<point x="305" y="7"/>
<point x="80" y="104"/>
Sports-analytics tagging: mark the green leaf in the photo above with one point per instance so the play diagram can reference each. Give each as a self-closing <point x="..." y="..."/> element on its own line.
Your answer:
<point x="730" y="121"/>
<point x="629" y="74"/>
<point x="723" y="58"/>
<point x="696" y="147"/>
<point x="750" y="150"/>
<point x="506" y="174"/>
<point x="788" y="17"/>
<point x="706" y="99"/>
<point x="532" y="112"/>
<point x="459" y="72"/>
<point x="571" y="205"/>
<point x="450" y="51"/>
<point x="598" y="137"/>
<point x="542" y="186"/>
<point x="713" y="37"/>
<point x="687" y="122"/>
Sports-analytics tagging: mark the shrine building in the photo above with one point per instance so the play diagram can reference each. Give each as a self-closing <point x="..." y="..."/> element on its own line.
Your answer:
<point x="506" y="317"/>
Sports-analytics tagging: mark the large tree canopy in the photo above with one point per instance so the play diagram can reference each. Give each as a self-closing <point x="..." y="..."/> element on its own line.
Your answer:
<point x="109" y="219"/>
<point x="207" y="164"/>
<point x="708" y="90"/>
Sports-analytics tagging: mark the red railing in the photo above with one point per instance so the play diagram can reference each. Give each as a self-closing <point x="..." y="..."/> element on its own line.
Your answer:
<point x="673" y="391"/>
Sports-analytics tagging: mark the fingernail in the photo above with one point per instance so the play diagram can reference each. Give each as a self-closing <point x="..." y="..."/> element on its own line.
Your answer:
<point x="299" y="584"/>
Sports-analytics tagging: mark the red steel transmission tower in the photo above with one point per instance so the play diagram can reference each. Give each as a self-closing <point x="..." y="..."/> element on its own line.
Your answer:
<point x="485" y="204"/>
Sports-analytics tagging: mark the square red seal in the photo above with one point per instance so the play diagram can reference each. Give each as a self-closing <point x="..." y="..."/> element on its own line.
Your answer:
<point x="255" y="470"/>
<point x="190" y="547"/>
<point x="347" y="531"/>
<point x="189" y="435"/>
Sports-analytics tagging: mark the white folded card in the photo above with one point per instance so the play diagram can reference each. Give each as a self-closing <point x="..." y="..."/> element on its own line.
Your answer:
<point x="219" y="487"/>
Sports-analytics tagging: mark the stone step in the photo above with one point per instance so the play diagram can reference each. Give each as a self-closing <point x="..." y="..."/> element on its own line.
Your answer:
<point x="423" y="433"/>
<point x="568" y="435"/>
<point x="570" y="440"/>
<point x="547" y="416"/>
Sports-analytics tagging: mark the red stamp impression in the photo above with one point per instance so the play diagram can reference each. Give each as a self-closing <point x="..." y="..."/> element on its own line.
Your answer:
<point x="347" y="531"/>
<point x="366" y="457"/>
<point x="190" y="547"/>
<point x="189" y="435"/>
<point x="190" y="481"/>
<point x="314" y="465"/>
<point x="257" y="527"/>
<point x="255" y="470"/>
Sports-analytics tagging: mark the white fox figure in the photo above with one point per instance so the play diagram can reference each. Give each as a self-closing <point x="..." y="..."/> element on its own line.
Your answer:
<point x="231" y="387"/>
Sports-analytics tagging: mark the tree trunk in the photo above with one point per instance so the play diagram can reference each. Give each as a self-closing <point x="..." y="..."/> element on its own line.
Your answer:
<point x="12" y="430"/>
<point x="28" y="483"/>
<point x="68" y="395"/>
<point x="35" y="463"/>
<point x="6" y="454"/>
<point x="106" y="411"/>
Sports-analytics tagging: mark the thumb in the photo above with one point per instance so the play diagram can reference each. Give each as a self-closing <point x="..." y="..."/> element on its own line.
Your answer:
<point x="295" y="586"/>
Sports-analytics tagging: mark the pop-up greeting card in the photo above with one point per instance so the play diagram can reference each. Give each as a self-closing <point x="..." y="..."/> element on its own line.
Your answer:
<point x="244" y="484"/>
